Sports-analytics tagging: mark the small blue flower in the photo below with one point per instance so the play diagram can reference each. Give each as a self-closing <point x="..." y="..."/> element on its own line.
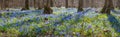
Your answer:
<point x="21" y="29"/>
<point x="118" y="30"/>
<point x="78" y="34"/>
<point x="89" y="26"/>
<point x="37" y="18"/>
<point x="112" y="19"/>
<point x="47" y="22"/>
<point x="38" y="29"/>
<point x="17" y="24"/>
<point x="61" y="33"/>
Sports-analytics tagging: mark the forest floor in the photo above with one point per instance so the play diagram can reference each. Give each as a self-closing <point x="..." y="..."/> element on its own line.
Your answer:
<point x="63" y="22"/>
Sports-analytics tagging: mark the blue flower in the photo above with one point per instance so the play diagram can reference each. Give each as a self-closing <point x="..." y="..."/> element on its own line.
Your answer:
<point x="21" y="29"/>
<point x="38" y="30"/>
<point x="61" y="33"/>
<point x="89" y="26"/>
<point x="67" y="17"/>
<point x="17" y="24"/>
<point x="56" y="23"/>
<point x="112" y="19"/>
<point x="47" y="22"/>
<point x="118" y="30"/>
<point x="78" y="34"/>
<point x="37" y="18"/>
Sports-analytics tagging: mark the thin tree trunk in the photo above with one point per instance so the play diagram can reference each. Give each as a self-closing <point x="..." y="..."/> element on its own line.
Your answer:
<point x="26" y="5"/>
<point x="34" y="3"/>
<point x="72" y="3"/>
<point x="118" y="4"/>
<point x="55" y="2"/>
<point x="48" y="3"/>
<point x="47" y="9"/>
<point x="2" y="4"/>
<point x="5" y="4"/>
<point x="80" y="6"/>
<point x="66" y="3"/>
<point x="92" y="3"/>
<point x="111" y="4"/>
<point x="51" y="3"/>
<point x="40" y="6"/>
<point x="107" y="6"/>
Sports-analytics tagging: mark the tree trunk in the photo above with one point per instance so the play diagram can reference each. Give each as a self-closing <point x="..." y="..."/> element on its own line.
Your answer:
<point x="80" y="6"/>
<point x="55" y="3"/>
<point x="66" y="3"/>
<point x="107" y="6"/>
<point x="72" y="3"/>
<point x="1" y="4"/>
<point x="92" y="3"/>
<point x="47" y="9"/>
<point x="40" y="6"/>
<point x="26" y="5"/>
<point x="5" y="4"/>
<point x="34" y="3"/>
<point x="118" y="4"/>
<point x="51" y="3"/>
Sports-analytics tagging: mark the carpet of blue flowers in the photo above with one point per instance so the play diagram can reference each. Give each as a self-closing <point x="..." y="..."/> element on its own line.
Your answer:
<point x="63" y="22"/>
